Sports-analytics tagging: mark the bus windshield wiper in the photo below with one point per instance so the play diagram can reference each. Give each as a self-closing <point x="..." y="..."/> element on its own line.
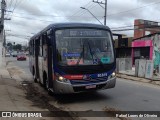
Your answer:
<point x="82" y="54"/>
<point x="93" y="53"/>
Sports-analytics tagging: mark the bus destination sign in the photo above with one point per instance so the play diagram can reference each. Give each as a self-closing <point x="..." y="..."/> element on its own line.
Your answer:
<point x="76" y="33"/>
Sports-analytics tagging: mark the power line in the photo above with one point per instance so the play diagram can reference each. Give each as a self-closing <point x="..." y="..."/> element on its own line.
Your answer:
<point x="145" y="27"/>
<point x="90" y="7"/>
<point x="83" y="11"/>
<point x="9" y="6"/>
<point x="16" y="2"/>
<point x="132" y="25"/>
<point x="123" y="27"/>
<point x="94" y="6"/>
<point x="31" y="18"/>
<point x="86" y="16"/>
<point x="80" y="9"/>
<point x="134" y="9"/>
<point x="15" y="5"/>
<point x="80" y="12"/>
<point x="20" y="2"/>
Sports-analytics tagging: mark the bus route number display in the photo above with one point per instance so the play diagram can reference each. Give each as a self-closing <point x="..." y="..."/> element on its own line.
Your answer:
<point x="76" y="33"/>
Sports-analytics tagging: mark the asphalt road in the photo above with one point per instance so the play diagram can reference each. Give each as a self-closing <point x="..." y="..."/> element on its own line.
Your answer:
<point x="22" y="64"/>
<point x="126" y="96"/>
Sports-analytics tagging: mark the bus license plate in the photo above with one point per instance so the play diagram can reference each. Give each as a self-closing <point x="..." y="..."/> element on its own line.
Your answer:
<point x="90" y="86"/>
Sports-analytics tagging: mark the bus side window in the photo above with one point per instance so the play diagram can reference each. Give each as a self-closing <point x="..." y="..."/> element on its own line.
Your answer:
<point x="37" y="46"/>
<point x="41" y="47"/>
<point x="44" y="52"/>
<point x="44" y="44"/>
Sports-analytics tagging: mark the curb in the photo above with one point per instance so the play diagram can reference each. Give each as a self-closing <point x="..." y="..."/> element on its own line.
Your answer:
<point x="144" y="80"/>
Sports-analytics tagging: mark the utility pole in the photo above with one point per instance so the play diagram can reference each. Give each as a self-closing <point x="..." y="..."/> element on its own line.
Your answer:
<point x="2" y="51"/>
<point x="105" y="13"/>
<point x="105" y="9"/>
<point x="3" y="7"/>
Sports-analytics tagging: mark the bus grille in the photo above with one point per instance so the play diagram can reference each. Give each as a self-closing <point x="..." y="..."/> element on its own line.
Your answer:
<point x="86" y="81"/>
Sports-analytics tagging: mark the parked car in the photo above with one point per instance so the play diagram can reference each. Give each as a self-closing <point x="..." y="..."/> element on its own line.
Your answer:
<point x="7" y="55"/>
<point x="27" y="53"/>
<point x="21" y="56"/>
<point x="14" y="54"/>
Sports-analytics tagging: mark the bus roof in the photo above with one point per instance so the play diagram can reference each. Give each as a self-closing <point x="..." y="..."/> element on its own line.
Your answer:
<point x="71" y="25"/>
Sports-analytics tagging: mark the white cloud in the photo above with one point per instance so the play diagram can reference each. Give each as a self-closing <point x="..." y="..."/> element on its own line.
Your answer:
<point x="31" y="16"/>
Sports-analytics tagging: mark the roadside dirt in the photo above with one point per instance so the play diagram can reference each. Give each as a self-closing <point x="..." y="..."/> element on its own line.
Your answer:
<point x="39" y="98"/>
<point x="14" y="71"/>
<point x="42" y="100"/>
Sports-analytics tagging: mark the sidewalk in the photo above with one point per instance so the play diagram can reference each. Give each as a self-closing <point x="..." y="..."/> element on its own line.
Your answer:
<point x="13" y="96"/>
<point x="130" y="75"/>
<point x="3" y="71"/>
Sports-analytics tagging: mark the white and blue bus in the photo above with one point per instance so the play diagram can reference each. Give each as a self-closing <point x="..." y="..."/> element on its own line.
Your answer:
<point x="73" y="58"/>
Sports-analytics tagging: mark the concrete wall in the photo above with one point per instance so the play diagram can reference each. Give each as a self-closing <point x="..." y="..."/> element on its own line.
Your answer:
<point x="120" y="64"/>
<point x="141" y="68"/>
<point x="149" y="69"/>
<point x="123" y="64"/>
<point x="128" y="63"/>
<point x="136" y="67"/>
<point x="144" y="68"/>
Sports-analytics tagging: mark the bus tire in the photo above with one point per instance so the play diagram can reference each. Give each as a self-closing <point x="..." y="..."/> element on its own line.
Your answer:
<point x="34" y="75"/>
<point x="50" y="92"/>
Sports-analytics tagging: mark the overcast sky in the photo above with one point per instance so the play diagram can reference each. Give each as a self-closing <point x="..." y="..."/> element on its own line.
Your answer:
<point x="31" y="16"/>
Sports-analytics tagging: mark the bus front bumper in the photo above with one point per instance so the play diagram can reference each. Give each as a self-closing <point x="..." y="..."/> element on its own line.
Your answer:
<point x="67" y="88"/>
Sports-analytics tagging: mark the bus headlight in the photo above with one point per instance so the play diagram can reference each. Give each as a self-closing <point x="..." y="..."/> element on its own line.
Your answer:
<point x="112" y="75"/>
<point x="62" y="79"/>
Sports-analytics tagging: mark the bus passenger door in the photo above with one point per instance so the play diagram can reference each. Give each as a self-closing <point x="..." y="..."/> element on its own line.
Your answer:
<point x="40" y="61"/>
<point x="36" y="59"/>
<point x="45" y="61"/>
<point x="50" y="66"/>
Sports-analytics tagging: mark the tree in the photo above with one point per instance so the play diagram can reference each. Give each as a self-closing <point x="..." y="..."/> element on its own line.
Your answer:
<point x="9" y="44"/>
<point x="17" y="47"/>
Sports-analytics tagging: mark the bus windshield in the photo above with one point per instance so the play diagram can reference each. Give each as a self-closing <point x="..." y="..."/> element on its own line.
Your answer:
<point x="84" y="47"/>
